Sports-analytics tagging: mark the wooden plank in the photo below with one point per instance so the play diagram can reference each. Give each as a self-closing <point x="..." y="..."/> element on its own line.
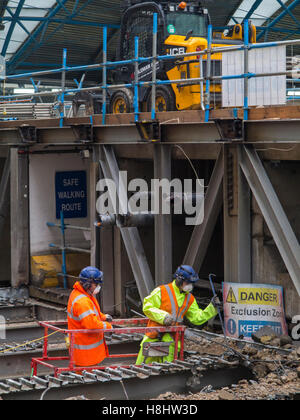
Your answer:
<point x="262" y="113"/>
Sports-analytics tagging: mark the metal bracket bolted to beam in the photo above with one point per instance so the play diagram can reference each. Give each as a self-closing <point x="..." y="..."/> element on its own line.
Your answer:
<point x="272" y="211"/>
<point x="230" y="129"/>
<point x="149" y="131"/>
<point x="84" y="133"/>
<point x="28" y="133"/>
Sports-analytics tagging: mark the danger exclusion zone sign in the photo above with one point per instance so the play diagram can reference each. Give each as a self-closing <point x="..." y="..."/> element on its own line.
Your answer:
<point x="249" y="307"/>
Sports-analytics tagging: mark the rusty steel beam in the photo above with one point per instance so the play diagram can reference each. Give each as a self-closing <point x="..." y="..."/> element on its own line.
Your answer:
<point x="202" y="233"/>
<point x="189" y="130"/>
<point x="130" y="235"/>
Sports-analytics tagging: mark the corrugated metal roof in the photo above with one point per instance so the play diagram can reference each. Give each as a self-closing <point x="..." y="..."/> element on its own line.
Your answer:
<point x="19" y="34"/>
<point x="221" y="10"/>
<point x="84" y="43"/>
<point x="287" y="22"/>
<point x="260" y="10"/>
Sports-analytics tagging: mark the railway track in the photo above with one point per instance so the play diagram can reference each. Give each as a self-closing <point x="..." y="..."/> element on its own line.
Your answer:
<point x="121" y="382"/>
<point x="15" y="357"/>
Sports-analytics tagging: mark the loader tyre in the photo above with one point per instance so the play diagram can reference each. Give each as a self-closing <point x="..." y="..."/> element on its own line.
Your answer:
<point x="121" y="102"/>
<point x="164" y="99"/>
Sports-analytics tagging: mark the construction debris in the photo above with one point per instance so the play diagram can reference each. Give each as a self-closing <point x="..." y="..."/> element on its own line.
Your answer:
<point x="264" y="389"/>
<point x="276" y="370"/>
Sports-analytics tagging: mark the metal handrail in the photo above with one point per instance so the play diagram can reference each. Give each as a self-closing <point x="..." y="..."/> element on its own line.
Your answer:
<point x="105" y="65"/>
<point x="139" y="327"/>
<point x="63" y="226"/>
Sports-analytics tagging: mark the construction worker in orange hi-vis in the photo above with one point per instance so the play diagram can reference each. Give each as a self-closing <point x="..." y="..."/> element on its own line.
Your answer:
<point x="84" y="313"/>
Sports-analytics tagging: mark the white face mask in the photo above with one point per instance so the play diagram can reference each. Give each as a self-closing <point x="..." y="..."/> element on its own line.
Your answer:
<point x="188" y="288"/>
<point x="97" y="290"/>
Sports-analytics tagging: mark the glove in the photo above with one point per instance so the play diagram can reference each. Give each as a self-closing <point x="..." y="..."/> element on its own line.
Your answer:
<point x="108" y="318"/>
<point x="216" y="302"/>
<point x="168" y="320"/>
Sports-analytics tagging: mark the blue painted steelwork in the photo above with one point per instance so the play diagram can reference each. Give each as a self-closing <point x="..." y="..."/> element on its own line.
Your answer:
<point x="136" y="79"/>
<point x="154" y="52"/>
<point x="280" y="29"/>
<point x="64" y="66"/>
<point x="22" y="53"/>
<point x="255" y="5"/>
<point x="208" y="75"/>
<point x="14" y="20"/>
<point x="287" y="10"/>
<point x="20" y="24"/>
<point x="63" y="251"/>
<point x="41" y="64"/>
<point x="246" y="70"/>
<point x="13" y="62"/>
<point x="135" y="84"/>
<point x="104" y="75"/>
<point x="62" y="227"/>
<point x="35" y="87"/>
<point x="63" y="21"/>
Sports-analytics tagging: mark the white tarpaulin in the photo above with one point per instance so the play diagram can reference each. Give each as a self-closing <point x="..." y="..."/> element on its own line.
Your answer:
<point x="249" y="307"/>
<point x="268" y="90"/>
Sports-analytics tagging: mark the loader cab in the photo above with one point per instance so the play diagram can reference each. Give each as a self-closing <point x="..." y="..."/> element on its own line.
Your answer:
<point x="137" y="20"/>
<point x="186" y="20"/>
<point x="177" y="23"/>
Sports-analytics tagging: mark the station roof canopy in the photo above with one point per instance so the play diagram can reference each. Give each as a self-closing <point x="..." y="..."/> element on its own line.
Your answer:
<point x="34" y="33"/>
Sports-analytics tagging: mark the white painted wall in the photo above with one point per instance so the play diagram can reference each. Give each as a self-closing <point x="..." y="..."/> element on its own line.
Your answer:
<point x="42" y="169"/>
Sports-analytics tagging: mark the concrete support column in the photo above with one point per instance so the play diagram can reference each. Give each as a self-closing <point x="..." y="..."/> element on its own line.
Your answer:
<point x="162" y="222"/>
<point x="19" y="193"/>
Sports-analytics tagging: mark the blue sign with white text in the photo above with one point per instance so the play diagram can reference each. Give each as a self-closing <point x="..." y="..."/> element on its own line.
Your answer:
<point x="71" y="194"/>
<point x="246" y="328"/>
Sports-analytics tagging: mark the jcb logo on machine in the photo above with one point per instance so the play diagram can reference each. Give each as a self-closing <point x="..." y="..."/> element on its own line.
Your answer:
<point x="176" y="50"/>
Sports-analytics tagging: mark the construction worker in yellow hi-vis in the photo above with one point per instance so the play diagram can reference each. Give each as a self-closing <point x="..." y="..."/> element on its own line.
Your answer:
<point x="167" y="305"/>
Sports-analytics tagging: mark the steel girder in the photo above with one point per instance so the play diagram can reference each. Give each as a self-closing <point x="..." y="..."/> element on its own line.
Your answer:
<point x="244" y="233"/>
<point x="287" y="10"/>
<point x="14" y="61"/>
<point x="130" y="235"/>
<point x="14" y="20"/>
<point x="19" y="216"/>
<point x="272" y="211"/>
<point x="162" y="222"/>
<point x="263" y="132"/>
<point x="255" y="5"/>
<point x="202" y="233"/>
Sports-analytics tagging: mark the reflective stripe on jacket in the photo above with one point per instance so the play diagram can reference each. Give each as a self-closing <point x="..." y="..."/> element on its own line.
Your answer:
<point x="84" y="313"/>
<point x="159" y="303"/>
<point x="169" y="303"/>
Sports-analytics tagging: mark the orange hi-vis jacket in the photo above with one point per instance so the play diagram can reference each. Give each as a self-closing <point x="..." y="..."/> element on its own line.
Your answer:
<point x="169" y="304"/>
<point x="84" y="313"/>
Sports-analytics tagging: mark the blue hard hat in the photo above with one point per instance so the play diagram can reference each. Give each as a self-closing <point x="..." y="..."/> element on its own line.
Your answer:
<point x="186" y="273"/>
<point x="91" y="273"/>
